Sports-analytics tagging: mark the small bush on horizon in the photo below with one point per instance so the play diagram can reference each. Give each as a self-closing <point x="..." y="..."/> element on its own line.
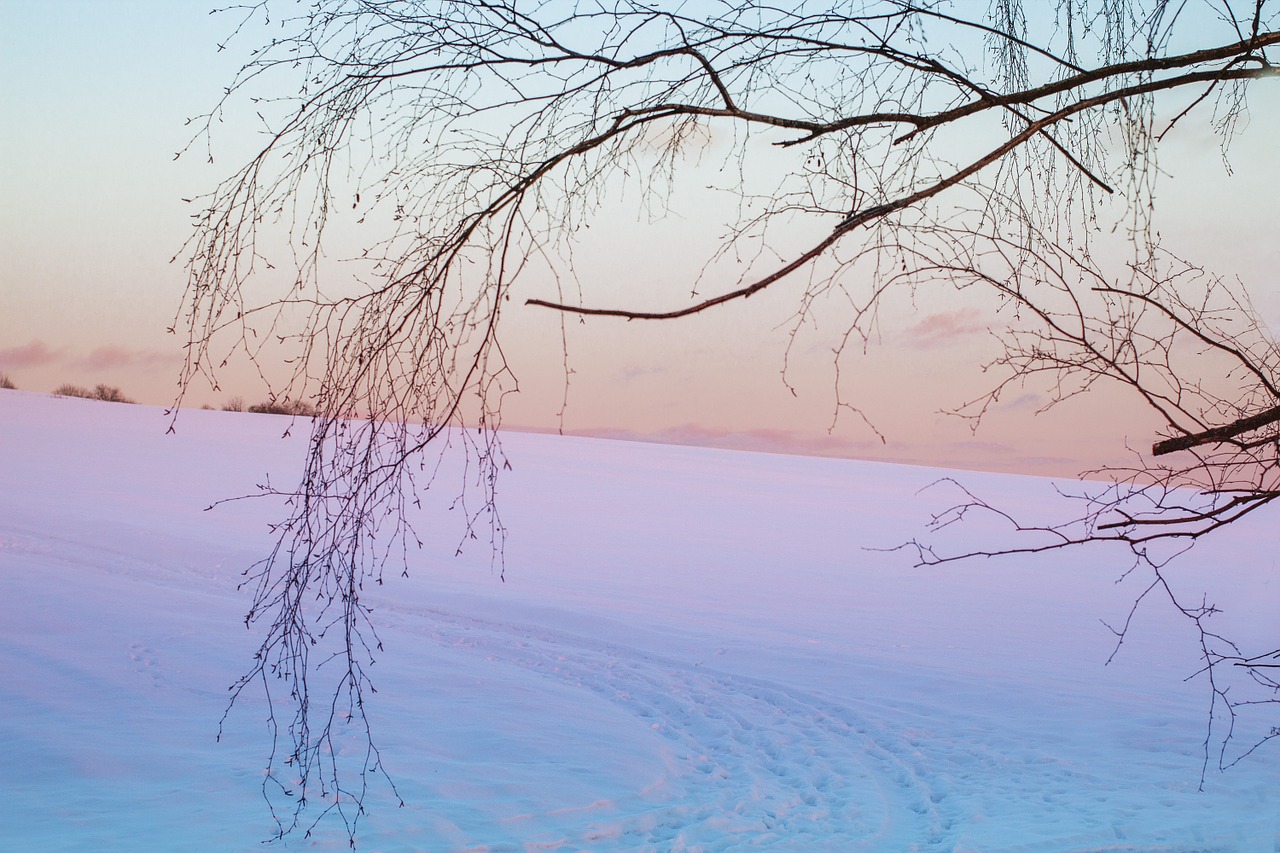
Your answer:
<point x="105" y="393"/>
<point x="72" y="391"/>
<point x="109" y="394"/>
<point x="295" y="408"/>
<point x="235" y="404"/>
<point x="6" y="383"/>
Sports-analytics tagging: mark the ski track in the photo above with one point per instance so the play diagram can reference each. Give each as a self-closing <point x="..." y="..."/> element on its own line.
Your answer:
<point x="751" y="762"/>
<point x="754" y="764"/>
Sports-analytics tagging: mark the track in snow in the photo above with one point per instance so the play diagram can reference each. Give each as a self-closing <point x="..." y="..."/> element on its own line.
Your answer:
<point x="751" y="763"/>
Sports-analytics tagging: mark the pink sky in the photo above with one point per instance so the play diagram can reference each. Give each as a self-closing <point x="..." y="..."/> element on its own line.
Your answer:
<point x="94" y="212"/>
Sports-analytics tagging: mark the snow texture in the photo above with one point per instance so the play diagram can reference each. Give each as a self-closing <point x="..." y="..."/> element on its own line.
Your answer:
<point x="693" y="651"/>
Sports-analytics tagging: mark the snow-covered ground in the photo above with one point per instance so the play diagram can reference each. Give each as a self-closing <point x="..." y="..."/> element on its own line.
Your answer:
<point x="692" y="651"/>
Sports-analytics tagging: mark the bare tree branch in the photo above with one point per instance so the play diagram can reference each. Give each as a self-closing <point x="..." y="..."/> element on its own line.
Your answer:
<point x="424" y="166"/>
<point x="1217" y="435"/>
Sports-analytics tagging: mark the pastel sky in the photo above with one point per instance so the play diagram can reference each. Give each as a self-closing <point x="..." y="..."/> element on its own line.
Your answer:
<point x="95" y="97"/>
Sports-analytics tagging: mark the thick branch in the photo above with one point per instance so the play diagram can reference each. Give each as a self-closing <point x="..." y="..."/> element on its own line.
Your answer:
<point x="1217" y="434"/>
<point x="878" y="212"/>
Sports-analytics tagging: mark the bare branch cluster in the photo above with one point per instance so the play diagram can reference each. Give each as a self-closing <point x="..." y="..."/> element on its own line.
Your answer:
<point x="1190" y="346"/>
<point x="907" y="146"/>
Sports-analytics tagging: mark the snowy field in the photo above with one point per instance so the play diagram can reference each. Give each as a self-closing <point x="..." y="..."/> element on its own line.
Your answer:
<point x="692" y="651"/>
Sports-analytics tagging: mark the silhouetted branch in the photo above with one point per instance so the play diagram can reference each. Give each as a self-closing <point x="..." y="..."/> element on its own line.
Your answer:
<point x="1217" y="434"/>
<point x="466" y="147"/>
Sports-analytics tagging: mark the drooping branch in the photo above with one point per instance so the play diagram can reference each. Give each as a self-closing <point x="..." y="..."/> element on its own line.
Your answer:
<point x="863" y="217"/>
<point x="478" y="140"/>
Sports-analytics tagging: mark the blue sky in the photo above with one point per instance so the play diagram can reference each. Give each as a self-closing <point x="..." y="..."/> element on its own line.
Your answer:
<point x="95" y="96"/>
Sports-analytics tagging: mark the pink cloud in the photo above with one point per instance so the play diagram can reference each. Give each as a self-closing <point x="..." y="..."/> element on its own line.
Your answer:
<point x="111" y="357"/>
<point x="764" y="440"/>
<point x="33" y="354"/>
<point x="39" y="354"/>
<point x="938" y="330"/>
<point x="970" y="455"/>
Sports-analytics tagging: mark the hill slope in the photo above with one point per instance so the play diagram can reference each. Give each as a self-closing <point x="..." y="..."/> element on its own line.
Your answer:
<point x="692" y="651"/>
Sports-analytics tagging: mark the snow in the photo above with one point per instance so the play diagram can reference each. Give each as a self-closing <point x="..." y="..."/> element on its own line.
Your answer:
<point x="693" y="650"/>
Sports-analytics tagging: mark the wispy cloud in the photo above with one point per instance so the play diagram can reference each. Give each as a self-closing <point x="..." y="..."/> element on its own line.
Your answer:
<point x="942" y="329"/>
<point x="113" y="357"/>
<point x="970" y="454"/>
<point x="634" y="372"/>
<point x="39" y="354"/>
<point x="1029" y="400"/>
<point x="33" y="354"/>
<point x="764" y="440"/>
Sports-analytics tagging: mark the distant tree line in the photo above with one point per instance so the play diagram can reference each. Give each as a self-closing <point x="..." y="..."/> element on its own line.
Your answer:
<point x="112" y="394"/>
<point x="293" y="408"/>
<point x="106" y="393"/>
